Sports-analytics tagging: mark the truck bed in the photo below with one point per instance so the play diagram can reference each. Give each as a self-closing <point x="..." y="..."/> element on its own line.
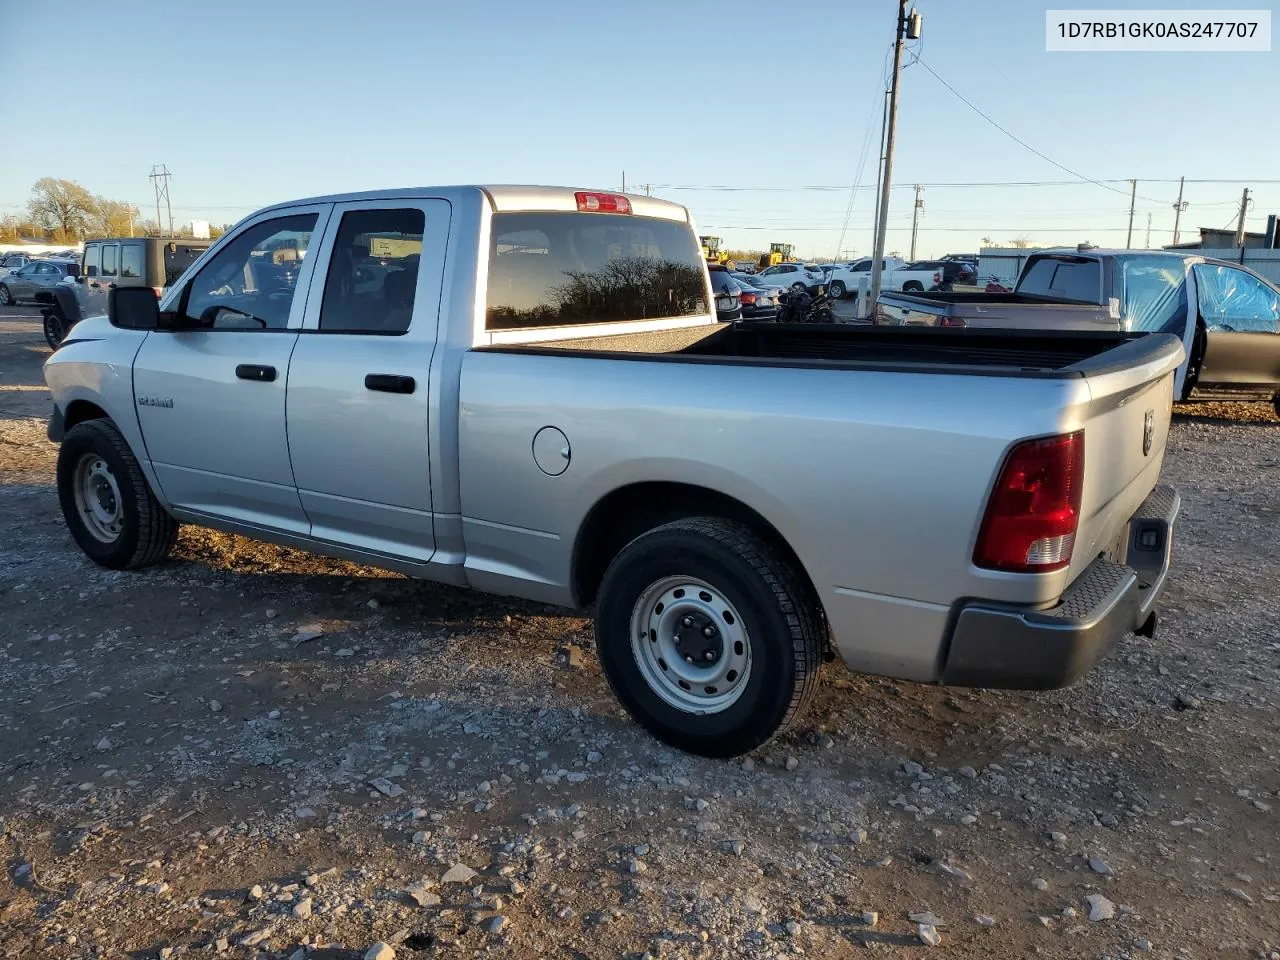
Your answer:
<point x="992" y="310"/>
<point x="906" y="349"/>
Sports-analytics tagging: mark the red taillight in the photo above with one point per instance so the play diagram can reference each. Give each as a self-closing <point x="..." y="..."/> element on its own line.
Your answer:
<point x="952" y="322"/>
<point x="158" y="291"/>
<point x="748" y="299"/>
<point x="602" y="203"/>
<point x="1030" y="524"/>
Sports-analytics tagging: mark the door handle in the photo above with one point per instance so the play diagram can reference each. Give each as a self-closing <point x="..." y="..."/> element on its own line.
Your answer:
<point x="253" y="371"/>
<point x="94" y="285"/>
<point x="389" y="383"/>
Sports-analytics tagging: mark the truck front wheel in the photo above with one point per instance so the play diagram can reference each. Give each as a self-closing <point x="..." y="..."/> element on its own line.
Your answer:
<point x="109" y="509"/>
<point x="707" y="636"/>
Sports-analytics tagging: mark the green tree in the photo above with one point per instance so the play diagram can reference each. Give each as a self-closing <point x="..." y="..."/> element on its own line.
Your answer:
<point x="62" y="206"/>
<point x="115" y="218"/>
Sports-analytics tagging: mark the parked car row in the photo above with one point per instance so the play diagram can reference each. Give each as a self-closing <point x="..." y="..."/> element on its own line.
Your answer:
<point x="70" y="289"/>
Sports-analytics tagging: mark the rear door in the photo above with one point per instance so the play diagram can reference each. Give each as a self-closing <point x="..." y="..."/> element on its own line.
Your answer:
<point x="1241" y="317"/>
<point x="358" y="389"/>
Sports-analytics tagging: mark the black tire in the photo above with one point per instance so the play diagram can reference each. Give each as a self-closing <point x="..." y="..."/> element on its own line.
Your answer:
<point x="1275" y="402"/>
<point x="782" y="627"/>
<point x="837" y="289"/>
<point x="912" y="285"/>
<point x="147" y="531"/>
<point x="6" y="298"/>
<point x="799" y="288"/>
<point x="55" y="326"/>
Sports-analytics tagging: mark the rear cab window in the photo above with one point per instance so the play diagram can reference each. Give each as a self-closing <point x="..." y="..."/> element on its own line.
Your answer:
<point x="560" y="268"/>
<point x="1064" y="278"/>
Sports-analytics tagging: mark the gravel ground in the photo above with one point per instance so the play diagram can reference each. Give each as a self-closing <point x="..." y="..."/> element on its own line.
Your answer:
<point x="256" y="752"/>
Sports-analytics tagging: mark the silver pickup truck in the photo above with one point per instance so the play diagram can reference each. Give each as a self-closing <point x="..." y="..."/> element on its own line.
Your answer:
<point x="525" y="391"/>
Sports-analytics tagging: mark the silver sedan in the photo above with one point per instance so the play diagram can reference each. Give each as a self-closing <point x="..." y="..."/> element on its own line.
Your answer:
<point x="35" y="276"/>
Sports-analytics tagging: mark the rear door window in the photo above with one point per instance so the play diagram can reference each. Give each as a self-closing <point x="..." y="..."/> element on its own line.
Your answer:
<point x="1067" y="278"/>
<point x="131" y="260"/>
<point x="373" y="272"/>
<point x="109" y="259"/>
<point x="552" y="269"/>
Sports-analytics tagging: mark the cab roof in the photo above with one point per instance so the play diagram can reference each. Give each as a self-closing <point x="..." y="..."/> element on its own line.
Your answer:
<point x="506" y="198"/>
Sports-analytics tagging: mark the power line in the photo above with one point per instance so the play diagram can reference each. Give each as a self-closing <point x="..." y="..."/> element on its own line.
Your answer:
<point x="1018" y="140"/>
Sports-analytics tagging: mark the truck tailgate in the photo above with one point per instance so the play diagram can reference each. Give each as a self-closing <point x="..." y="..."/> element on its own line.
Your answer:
<point x="1126" y="425"/>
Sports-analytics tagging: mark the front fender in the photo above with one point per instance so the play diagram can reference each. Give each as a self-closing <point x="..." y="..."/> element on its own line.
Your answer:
<point x="92" y="374"/>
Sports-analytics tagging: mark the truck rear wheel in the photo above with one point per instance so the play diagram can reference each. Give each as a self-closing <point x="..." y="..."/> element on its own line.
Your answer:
<point x="837" y="290"/>
<point x="109" y="509"/>
<point x="707" y="636"/>
<point x="912" y="286"/>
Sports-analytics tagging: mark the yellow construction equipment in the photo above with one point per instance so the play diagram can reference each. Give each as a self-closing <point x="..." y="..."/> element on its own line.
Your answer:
<point x="778" y="252"/>
<point x="711" y="250"/>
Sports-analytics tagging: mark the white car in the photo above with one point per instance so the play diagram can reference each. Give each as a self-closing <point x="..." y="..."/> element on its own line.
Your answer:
<point x="895" y="274"/>
<point x="792" y="276"/>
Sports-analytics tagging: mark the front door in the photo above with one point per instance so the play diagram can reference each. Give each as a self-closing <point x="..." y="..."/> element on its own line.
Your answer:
<point x="358" y="389"/>
<point x="211" y="395"/>
<point x="1241" y="317"/>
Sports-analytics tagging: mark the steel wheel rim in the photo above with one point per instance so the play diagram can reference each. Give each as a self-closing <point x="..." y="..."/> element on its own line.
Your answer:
<point x="687" y="607"/>
<point x="98" y="500"/>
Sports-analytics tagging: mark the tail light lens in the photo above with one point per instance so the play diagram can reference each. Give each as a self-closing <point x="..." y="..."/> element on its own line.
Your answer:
<point x="602" y="203"/>
<point x="748" y="299"/>
<point x="158" y="291"/>
<point x="1031" y="519"/>
<point x="952" y="322"/>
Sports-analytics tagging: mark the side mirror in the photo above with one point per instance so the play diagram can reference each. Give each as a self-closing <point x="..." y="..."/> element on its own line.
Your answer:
<point x="133" y="308"/>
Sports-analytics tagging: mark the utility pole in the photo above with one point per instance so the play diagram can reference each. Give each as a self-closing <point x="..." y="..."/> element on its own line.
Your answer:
<point x="1178" y="208"/>
<point x="130" y="206"/>
<point x="624" y="181"/>
<point x="915" y="219"/>
<point x="160" y="177"/>
<point x="908" y="28"/>
<point x="1133" y="199"/>
<point x="1244" y="208"/>
<point x="1147" y="245"/>
<point x="884" y="128"/>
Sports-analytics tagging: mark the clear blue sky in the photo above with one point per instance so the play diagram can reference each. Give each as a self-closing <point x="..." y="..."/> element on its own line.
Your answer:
<point x="254" y="102"/>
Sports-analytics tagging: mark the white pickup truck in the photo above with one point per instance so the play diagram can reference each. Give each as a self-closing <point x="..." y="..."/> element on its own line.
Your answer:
<point x="895" y="274"/>
<point x="524" y="390"/>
